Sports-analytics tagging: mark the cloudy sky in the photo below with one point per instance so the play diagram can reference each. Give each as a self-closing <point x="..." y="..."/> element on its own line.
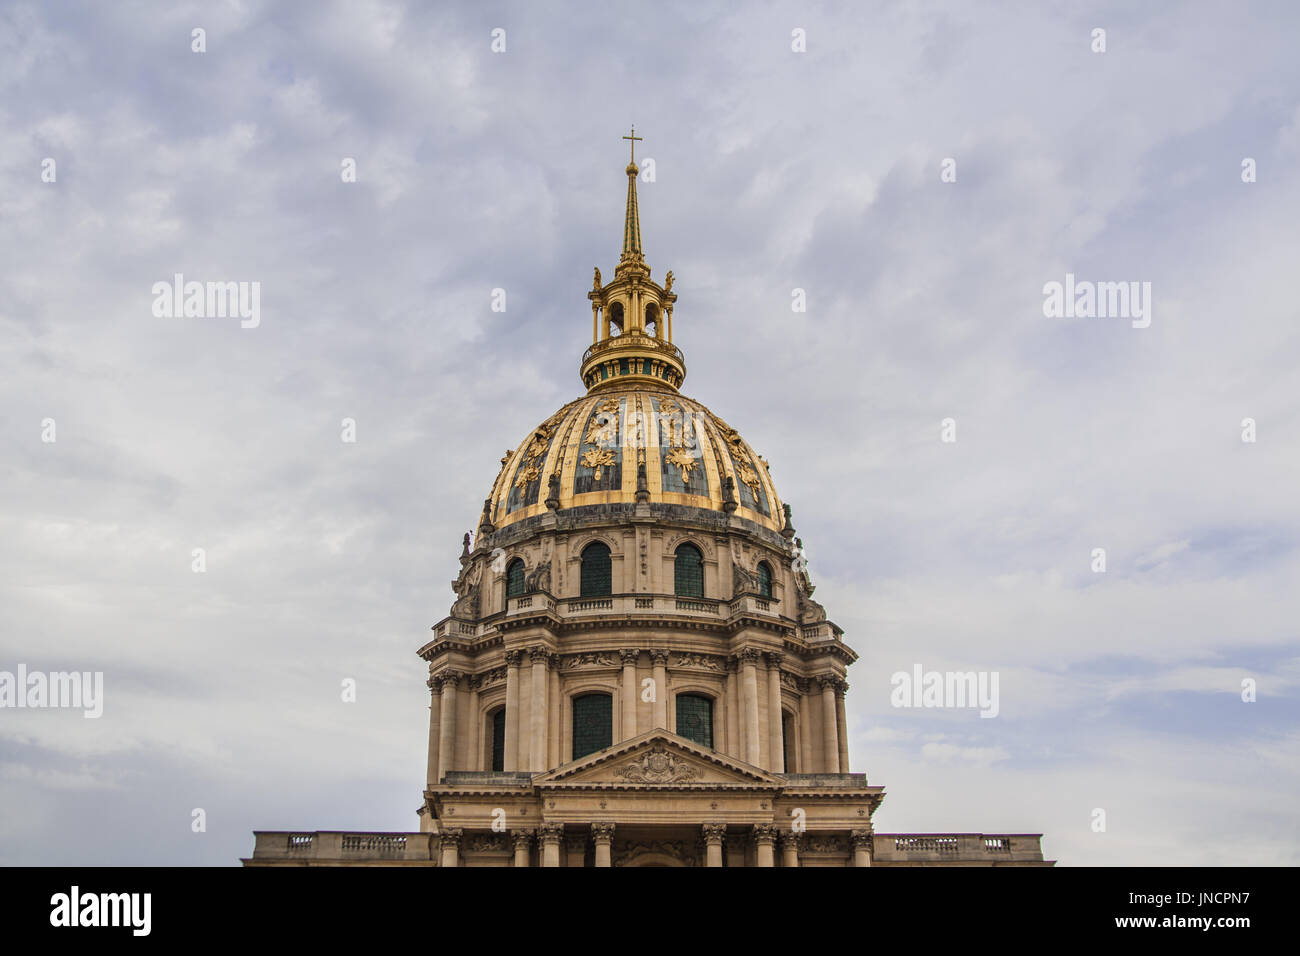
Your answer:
<point x="774" y="170"/>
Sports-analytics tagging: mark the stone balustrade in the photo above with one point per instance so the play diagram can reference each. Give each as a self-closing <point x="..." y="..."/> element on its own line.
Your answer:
<point x="960" y="848"/>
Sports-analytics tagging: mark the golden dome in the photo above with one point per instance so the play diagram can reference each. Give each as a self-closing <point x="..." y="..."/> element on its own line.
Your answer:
<point x="589" y="453"/>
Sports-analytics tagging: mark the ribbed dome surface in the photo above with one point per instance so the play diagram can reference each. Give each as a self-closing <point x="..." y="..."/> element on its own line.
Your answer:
<point x="593" y="445"/>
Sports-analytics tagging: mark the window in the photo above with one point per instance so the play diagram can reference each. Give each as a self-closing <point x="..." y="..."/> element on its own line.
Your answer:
<point x="498" y="719"/>
<point x="651" y="320"/>
<point x="596" y="572"/>
<point x="764" y="580"/>
<point x="515" y="578"/>
<point x="688" y="572"/>
<point x="695" y="719"/>
<point x="616" y="319"/>
<point x="593" y="723"/>
<point x="788" y="740"/>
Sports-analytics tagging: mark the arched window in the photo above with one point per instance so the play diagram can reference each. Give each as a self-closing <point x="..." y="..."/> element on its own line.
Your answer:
<point x="616" y="319"/>
<point x="596" y="573"/>
<point x="515" y="578"/>
<point x="498" y="720"/>
<point x="651" y="319"/>
<point x="593" y="723"/>
<point x="695" y="718"/>
<point x="788" y="740"/>
<point x="764" y="580"/>
<point x="688" y="572"/>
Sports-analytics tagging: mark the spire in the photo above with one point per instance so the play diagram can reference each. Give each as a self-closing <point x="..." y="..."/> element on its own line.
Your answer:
<point x="632" y="253"/>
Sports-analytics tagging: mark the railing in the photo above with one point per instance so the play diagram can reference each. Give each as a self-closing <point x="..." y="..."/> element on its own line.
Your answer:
<point x="708" y="607"/>
<point x="925" y="844"/>
<point x="334" y="847"/>
<point x="947" y="848"/>
<point x="301" y="842"/>
<point x="591" y="604"/>
<point x="634" y="340"/>
<point x="375" y="844"/>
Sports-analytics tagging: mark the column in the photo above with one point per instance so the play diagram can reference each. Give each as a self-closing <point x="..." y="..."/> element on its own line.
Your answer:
<point x="775" y="749"/>
<point x="748" y="666"/>
<point x="513" y="658"/>
<point x="630" y="656"/>
<point x="842" y="725"/>
<point x="660" y="661"/>
<point x="863" y="846"/>
<point x="805" y="727"/>
<point x="435" y="718"/>
<point x="714" y="834"/>
<point x="451" y="846"/>
<point x="553" y="714"/>
<point x="475" y="761"/>
<point x="447" y="725"/>
<point x="537" y="749"/>
<point x="522" y="839"/>
<point x="733" y="708"/>
<point x="552" y="835"/>
<point x="830" y="739"/>
<point x="790" y="847"/>
<point x="603" y="835"/>
<point x="764" y="837"/>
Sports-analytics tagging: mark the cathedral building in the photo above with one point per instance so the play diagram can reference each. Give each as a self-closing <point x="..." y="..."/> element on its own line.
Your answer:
<point x="635" y="671"/>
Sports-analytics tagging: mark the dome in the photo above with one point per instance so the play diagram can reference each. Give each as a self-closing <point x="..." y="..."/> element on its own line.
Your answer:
<point x="590" y="452"/>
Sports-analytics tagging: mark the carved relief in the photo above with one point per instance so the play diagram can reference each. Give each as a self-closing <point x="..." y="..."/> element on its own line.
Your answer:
<point x="488" y="843"/>
<point x="704" y="661"/>
<point x="539" y="578"/>
<point x="657" y="766"/>
<point x="593" y="659"/>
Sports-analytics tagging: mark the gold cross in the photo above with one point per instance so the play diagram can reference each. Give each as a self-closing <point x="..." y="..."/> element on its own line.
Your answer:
<point x="635" y="139"/>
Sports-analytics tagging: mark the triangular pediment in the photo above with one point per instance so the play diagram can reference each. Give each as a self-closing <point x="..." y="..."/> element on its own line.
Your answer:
<point x="656" y="758"/>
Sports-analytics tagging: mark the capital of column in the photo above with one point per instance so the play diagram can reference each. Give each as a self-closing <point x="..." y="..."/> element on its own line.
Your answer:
<point x="451" y="836"/>
<point x="475" y="681"/>
<point x="714" y="833"/>
<point x="538" y="654"/>
<point x="863" y="838"/>
<point x="774" y="658"/>
<point x="514" y="658"/>
<point x="552" y="833"/>
<point x="829" y="681"/>
<point x="659" y="657"/>
<point x="630" y="655"/>
<point x="602" y="832"/>
<point x="521" y="839"/>
<point x="749" y="655"/>
<point x="789" y="838"/>
<point x="435" y="685"/>
<point x="764" y="833"/>
<point x="553" y="662"/>
<point x="450" y="678"/>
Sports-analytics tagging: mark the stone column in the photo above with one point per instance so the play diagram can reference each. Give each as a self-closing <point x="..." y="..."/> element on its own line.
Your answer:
<point x="522" y="839"/>
<point x="435" y="718"/>
<point x="863" y="847"/>
<point x="805" y="727"/>
<point x="764" y="837"/>
<point x="475" y="735"/>
<point x="790" y="848"/>
<point x="630" y="656"/>
<point x="603" y="835"/>
<point x="513" y="658"/>
<point x="552" y="835"/>
<point x="748" y="666"/>
<point x="775" y="750"/>
<point x="830" y="739"/>
<point x="842" y="725"/>
<point x="660" y="660"/>
<point x="451" y="846"/>
<point x="537" y="748"/>
<point x="553" y="734"/>
<point x="714" y="834"/>
<point x="733" y="708"/>
<point x="447" y="724"/>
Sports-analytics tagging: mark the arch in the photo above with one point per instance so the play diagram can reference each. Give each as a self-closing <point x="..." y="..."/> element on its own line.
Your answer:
<point x="615" y="322"/>
<point x="596" y="575"/>
<point x="592" y="723"/>
<point x="515" y="578"/>
<point x="688" y="571"/>
<point x="652" y="320"/>
<point x="764" y="579"/>
<point x="694" y="713"/>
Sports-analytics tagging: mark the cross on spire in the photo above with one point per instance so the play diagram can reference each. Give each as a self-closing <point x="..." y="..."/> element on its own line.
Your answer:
<point x="635" y="139"/>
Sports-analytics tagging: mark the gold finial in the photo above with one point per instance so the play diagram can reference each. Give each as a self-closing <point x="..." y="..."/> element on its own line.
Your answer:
<point x="635" y="139"/>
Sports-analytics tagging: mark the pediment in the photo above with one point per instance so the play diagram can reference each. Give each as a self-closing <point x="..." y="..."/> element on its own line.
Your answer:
<point x="656" y="759"/>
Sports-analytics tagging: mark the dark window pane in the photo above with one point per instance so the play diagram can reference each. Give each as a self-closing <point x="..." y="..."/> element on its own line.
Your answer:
<point x="764" y="579"/>
<point x="596" y="572"/>
<point x="499" y="740"/>
<point x="688" y="572"/>
<point x="593" y="724"/>
<point x="515" y="578"/>
<point x="788" y="741"/>
<point x="695" y="719"/>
